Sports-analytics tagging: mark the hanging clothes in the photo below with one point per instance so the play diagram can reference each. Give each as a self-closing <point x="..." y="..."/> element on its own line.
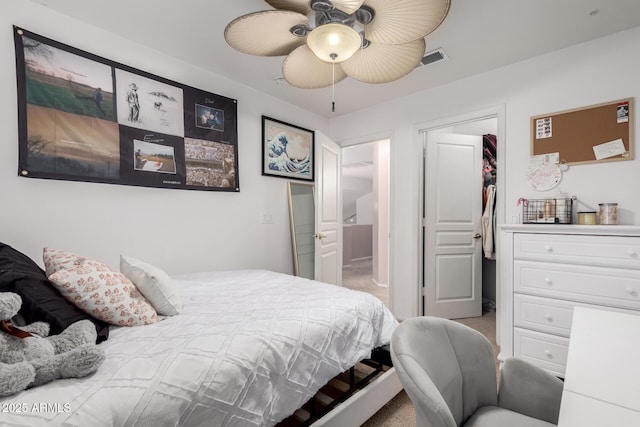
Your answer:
<point x="489" y="163"/>
<point x="488" y="226"/>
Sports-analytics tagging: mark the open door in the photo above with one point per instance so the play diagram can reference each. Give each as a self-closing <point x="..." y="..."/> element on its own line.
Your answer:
<point x="328" y="211"/>
<point x="452" y="226"/>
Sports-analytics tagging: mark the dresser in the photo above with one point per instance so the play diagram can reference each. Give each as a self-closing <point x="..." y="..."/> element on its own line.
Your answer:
<point x="547" y="270"/>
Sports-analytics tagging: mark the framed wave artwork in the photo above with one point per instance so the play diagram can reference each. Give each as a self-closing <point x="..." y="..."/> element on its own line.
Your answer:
<point x="287" y="150"/>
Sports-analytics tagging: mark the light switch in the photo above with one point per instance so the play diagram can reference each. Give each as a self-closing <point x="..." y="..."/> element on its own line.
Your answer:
<point x="266" y="218"/>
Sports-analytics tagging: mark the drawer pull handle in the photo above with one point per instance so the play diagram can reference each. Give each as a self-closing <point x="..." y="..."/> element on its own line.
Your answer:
<point x="548" y="248"/>
<point x="632" y="253"/>
<point x="631" y="291"/>
<point x="548" y="281"/>
<point x="548" y="354"/>
<point x="548" y="317"/>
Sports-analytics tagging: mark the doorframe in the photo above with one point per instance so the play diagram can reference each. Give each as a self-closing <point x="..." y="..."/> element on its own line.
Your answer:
<point x="499" y="112"/>
<point x="386" y="134"/>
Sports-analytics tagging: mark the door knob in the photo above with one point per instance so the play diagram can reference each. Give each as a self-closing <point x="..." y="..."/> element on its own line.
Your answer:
<point x="319" y="236"/>
<point x="477" y="236"/>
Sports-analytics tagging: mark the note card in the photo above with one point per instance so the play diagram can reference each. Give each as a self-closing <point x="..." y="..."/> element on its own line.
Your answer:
<point x="609" y="149"/>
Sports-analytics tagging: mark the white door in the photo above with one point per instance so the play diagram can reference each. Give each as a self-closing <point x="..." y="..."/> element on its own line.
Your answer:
<point x="452" y="226"/>
<point x="328" y="211"/>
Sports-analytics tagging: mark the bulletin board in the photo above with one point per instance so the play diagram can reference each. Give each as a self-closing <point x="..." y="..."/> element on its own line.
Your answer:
<point x="597" y="133"/>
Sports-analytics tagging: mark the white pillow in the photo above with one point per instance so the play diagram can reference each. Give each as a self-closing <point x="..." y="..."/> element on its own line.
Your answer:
<point x="97" y="289"/>
<point x="153" y="283"/>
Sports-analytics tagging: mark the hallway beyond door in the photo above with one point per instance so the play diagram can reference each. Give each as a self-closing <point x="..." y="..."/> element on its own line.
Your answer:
<point x="358" y="276"/>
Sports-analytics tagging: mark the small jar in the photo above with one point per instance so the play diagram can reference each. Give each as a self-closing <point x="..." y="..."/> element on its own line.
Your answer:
<point x="608" y="213"/>
<point x="586" y="218"/>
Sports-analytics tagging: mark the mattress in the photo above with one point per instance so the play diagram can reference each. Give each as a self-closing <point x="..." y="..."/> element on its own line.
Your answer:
<point x="249" y="348"/>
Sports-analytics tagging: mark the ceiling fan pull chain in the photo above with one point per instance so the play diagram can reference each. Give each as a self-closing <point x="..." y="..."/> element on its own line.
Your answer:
<point x="333" y="87"/>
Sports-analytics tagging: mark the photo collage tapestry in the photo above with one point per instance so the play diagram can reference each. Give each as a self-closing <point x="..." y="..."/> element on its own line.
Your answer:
<point x="85" y="118"/>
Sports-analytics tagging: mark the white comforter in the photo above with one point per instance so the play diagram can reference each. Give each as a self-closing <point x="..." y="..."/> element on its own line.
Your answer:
<point x="249" y="349"/>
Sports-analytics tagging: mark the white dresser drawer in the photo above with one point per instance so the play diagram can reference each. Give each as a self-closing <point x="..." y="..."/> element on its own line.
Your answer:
<point x="550" y="315"/>
<point x="547" y="351"/>
<point x="594" y="285"/>
<point x="610" y="251"/>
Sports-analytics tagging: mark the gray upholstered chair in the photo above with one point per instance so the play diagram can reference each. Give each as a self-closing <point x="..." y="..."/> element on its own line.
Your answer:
<point x="449" y="372"/>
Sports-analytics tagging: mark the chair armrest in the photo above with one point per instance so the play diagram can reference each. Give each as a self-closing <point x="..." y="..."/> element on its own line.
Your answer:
<point x="530" y="390"/>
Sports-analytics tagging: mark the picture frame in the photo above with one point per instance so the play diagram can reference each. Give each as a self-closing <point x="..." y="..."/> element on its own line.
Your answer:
<point x="82" y="117"/>
<point x="287" y="150"/>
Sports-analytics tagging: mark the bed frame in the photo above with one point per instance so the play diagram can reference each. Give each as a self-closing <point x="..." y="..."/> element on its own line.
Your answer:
<point x="352" y="397"/>
<point x="364" y="404"/>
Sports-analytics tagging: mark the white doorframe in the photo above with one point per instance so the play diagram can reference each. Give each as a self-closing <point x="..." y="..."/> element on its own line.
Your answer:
<point x="491" y="112"/>
<point x="364" y="140"/>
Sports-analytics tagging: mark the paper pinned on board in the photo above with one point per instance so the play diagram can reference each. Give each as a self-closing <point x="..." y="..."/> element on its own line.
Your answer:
<point x="544" y="128"/>
<point x="609" y="149"/>
<point x="544" y="158"/>
<point x="623" y="112"/>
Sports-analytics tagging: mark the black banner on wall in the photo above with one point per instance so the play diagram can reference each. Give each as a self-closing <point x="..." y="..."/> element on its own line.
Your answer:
<point x="85" y="118"/>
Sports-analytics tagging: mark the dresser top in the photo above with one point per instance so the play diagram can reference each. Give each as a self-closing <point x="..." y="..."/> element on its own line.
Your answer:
<point x="602" y="230"/>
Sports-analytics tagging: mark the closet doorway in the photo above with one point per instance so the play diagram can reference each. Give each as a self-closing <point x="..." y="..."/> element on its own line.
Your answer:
<point x="365" y="209"/>
<point x="458" y="267"/>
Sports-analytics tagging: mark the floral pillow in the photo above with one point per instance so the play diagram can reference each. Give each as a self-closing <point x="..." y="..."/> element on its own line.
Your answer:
<point x="97" y="289"/>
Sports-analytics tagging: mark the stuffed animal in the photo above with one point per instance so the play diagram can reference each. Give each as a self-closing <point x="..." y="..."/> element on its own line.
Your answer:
<point x="28" y="357"/>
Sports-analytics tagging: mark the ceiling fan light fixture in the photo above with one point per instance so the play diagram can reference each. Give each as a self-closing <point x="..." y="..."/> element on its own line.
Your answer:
<point x="365" y="15"/>
<point x="334" y="42"/>
<point x="300" y="30"/>
<point x="321" y="5"/>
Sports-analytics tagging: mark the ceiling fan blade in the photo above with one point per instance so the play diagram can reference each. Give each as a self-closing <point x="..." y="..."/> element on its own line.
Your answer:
<point x="265" y="33"/>
<point x="300" y="6"/>
<point x="348" y="6"/>
<point x="302" y="69"/>
<point x="402" y="21"/>
<point x="383" y="63"/>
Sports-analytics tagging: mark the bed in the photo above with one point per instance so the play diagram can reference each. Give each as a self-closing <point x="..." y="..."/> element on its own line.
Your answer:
<point x="249" y="348"/>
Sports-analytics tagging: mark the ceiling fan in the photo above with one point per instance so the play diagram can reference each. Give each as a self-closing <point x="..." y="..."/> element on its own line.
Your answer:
<point x="374" y="41"/>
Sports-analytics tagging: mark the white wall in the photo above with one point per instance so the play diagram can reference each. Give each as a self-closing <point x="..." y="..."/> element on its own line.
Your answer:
<point x="352" y="189"/>
<point x="598" y="71"/>
<point x="357" y="179"/>
<point x="178" y="230"/>
<point x="381" y="212"/>
<point x="364" y="209"/>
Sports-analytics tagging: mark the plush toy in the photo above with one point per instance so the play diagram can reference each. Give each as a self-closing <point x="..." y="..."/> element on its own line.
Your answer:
<point x="28" y="357"/>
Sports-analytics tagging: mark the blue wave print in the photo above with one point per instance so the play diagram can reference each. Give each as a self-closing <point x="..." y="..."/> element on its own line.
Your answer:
<point x="279" y="160"/>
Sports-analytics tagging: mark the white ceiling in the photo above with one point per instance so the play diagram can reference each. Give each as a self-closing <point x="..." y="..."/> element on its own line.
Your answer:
<point x="477" y="36"/>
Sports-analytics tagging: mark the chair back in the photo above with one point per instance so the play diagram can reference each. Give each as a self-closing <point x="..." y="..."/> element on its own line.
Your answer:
<point x="447" y="369"/>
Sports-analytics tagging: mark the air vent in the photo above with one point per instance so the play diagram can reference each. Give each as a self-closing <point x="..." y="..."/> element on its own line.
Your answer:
<point x="433" y="56"/>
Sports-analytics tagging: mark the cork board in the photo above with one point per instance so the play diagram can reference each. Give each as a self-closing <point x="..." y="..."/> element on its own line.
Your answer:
<point x="573" y="134"/>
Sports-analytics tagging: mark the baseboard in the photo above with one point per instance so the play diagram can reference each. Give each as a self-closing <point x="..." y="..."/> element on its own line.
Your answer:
<point x="382" y="285"/>
<point x="361" y="258"/>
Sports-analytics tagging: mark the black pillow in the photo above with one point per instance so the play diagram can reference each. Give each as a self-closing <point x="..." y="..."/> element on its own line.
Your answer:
<point x="41" y="301"/>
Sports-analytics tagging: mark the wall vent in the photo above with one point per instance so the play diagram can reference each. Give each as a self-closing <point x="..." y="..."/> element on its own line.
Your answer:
<point x="433" y="56"/>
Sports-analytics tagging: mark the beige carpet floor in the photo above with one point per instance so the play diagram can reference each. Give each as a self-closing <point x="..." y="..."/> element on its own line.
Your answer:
<point x="358" y="276"/>
<point x="399" y="412"/>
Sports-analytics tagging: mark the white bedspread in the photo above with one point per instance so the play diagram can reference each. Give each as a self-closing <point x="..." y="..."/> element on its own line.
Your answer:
<point x="249" y="349"/>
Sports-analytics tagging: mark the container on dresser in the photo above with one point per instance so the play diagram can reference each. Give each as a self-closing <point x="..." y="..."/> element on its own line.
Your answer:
<point x="547" y="270"/>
